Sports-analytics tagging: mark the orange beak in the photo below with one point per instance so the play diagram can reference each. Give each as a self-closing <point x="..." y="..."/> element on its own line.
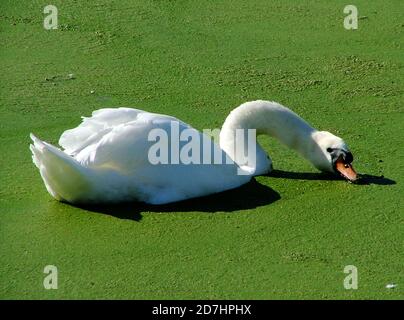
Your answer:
<point x="346" y="170"/>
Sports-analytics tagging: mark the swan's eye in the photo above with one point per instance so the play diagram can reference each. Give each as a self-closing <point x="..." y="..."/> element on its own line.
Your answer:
<point x="329" y="150"/>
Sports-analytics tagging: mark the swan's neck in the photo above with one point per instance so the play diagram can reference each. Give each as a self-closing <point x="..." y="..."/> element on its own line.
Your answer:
<point x="268" y="118"/>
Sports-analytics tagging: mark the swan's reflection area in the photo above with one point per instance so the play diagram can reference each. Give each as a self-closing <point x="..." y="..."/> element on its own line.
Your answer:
<point x="248" y="196"/>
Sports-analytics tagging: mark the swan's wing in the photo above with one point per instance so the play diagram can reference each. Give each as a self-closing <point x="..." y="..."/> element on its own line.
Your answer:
<point x="125" y="150"/>
<point x="92" y="129"/>
<point x="124" y="147"/>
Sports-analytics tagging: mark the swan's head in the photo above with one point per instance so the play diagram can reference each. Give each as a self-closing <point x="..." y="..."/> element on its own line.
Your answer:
<point x="332" y="154"/>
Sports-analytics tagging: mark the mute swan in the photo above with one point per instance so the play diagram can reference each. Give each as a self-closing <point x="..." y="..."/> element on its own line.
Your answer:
<point x="105" y="159"/>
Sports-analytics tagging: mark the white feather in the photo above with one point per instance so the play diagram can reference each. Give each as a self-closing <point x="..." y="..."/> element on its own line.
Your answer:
<point x="105" y="159"/>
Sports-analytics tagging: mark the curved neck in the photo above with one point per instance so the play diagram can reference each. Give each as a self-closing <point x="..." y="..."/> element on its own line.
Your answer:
<point x="268" y="118"/>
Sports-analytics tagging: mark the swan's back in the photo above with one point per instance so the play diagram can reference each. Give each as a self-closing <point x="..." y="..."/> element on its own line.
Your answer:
<point x="112" y="148"/>
<point x="95" y="127"/>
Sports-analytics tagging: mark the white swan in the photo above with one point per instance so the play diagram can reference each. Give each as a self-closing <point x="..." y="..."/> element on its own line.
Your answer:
<point x="105" y="159"/>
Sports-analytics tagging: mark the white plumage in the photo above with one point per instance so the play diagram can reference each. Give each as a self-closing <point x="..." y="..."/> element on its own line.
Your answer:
<point x="105" y="159"/>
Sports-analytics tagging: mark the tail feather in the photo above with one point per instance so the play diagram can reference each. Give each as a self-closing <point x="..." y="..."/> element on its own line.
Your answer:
<point x="64" y="177"/>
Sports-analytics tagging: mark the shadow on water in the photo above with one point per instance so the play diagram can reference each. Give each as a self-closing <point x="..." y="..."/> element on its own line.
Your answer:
<point x="248" y="196"/>
<point x="364" y="179"/>
<point x="302" y="175"/>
